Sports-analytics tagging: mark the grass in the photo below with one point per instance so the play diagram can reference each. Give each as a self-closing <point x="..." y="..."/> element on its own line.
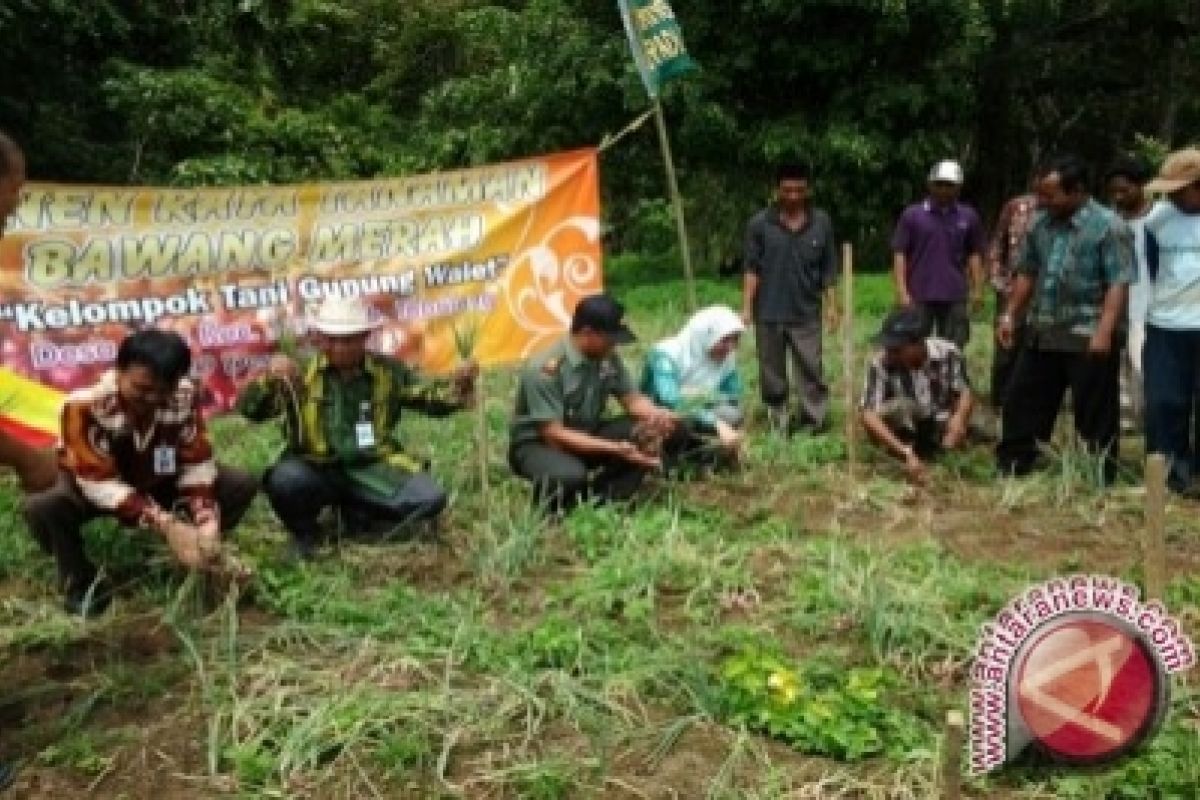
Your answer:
<point x="525" y="659"/>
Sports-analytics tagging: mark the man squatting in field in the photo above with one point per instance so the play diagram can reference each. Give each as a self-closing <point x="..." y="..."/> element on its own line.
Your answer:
<point x="134" y="446"/>
<point x="559" y="439"/>
<point x="342" y="408"/>
<point x="917" y="399"/>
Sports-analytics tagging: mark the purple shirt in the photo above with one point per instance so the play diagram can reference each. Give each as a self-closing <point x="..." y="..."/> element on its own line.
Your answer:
<point x="936" y="243"/>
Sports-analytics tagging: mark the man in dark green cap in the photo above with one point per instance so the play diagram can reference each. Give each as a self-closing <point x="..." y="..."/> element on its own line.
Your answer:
<point x="560" y="440"/>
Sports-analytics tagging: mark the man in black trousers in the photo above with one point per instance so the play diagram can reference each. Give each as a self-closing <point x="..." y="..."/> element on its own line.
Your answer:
<point x="1073" y="276"/>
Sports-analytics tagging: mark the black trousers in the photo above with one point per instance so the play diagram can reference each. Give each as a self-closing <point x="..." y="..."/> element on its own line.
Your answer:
<point x="947" y="320"/>
<point x="300" y="490"/>
<point x="1040" y="380"/>
<point x="1004" y="359"/>
<point x="56" y="517"/>
<point x="561" y="480"/>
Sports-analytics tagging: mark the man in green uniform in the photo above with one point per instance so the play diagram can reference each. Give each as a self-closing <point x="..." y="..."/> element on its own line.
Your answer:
<point x="342" y="409"/>
<point x="559" y="438"/>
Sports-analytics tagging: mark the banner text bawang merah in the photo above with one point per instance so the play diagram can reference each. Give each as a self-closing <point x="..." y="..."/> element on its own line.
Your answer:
<point x="506" y="249"/>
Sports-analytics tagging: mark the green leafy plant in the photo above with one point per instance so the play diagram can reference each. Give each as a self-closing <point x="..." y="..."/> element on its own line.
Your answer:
<point x="465" y="339"/>
<point x="817" y="708"/>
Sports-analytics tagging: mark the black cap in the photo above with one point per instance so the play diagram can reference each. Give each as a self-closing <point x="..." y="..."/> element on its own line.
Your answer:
<point x="902" y="326"/>
<point x="603" y="314"/>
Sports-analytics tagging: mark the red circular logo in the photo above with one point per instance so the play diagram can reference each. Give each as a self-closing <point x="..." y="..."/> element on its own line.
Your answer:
<point x="1087" y="689"/>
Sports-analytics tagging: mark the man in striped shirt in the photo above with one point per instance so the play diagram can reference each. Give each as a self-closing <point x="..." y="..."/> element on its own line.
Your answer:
<point x="917" y="400"/>
<point x="134" y="447"/>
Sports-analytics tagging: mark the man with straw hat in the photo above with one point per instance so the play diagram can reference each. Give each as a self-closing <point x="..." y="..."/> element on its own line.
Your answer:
<point x="1171" y="358"/>
<point x="342" y="408"/>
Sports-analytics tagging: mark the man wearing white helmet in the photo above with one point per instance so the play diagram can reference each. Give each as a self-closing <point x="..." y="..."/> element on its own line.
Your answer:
<point x="937" y="256"/>
<point x="342" y="408"/>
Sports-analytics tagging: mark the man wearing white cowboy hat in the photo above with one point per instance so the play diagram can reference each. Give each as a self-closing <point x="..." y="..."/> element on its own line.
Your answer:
<point x="342" y="408"/>
<point x="1171" y="355"/>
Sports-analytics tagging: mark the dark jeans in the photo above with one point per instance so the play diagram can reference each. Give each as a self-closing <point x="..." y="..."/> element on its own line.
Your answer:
<point x="56" y="517"/>
<point x="947" y="320"/>
<point x="561" y="480"/>
<point x="300" y="490"/>
<point x="1171" y="366"/>
<point x="802" y="341"/>
<point x="1040" y="380"/>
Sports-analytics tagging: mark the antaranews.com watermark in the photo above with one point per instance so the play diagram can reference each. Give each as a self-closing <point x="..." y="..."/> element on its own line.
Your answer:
<point x="1077" y="666"/>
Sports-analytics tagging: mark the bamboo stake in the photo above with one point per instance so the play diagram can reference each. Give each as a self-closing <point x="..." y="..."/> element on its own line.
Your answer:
<point x="848" y="358"/>
<point x="466" y="341"/>
<point x="482" y="441"/>
<point x="1154" y="559"/>
<point x="952" y="756"/>
<point x="677" y="203"/>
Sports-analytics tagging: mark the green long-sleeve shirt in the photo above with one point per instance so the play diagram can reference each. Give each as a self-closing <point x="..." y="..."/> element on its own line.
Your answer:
<point x="324" y="410"/>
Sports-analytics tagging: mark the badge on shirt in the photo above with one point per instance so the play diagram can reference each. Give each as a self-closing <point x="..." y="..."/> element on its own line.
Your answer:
<point x="364" y="432"/>
<point x="164" y="460"/>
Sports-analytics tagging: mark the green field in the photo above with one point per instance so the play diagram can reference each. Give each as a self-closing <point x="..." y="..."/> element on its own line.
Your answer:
<point x="784" y="632"/>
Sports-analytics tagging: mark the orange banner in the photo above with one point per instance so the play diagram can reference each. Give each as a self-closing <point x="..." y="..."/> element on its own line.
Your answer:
<point x="486" y="262"/>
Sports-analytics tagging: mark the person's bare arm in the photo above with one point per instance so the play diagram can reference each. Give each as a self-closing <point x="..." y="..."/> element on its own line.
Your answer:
<point x="960" y="419"/>
<point x="568" y="440"/>
<point x="882" y="435"/>
<point x="900" y="278"/>
<point x="978" y="280"/>
<point x="749" y="293"/>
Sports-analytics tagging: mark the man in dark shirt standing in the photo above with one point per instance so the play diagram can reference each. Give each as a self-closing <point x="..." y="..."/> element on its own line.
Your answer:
<point x="937" y="256"/>
<point x="791" y="264"/>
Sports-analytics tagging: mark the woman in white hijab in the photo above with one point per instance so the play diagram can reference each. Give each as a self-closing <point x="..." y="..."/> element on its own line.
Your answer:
<point x="695" y="373"/>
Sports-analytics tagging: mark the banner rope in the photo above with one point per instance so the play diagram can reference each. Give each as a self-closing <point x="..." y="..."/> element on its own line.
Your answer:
<point x="608" y="141"/>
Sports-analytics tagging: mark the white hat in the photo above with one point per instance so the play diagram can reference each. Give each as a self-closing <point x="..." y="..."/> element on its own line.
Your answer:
<point x="342" y="316"/>
<point x="946" y="172"/>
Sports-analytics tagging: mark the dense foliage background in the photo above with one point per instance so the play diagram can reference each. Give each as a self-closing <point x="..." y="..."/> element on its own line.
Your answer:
<point x="869" y="91"/>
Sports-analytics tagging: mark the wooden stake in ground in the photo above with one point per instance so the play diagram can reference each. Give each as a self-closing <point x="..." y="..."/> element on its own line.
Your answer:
<point x="481" y="436"/>
<point x="1154" y="558"/>
<point x="465" y="341"/>
<point x="952" y="756"/>
<point x="677" y="203"/>
<point x="848" y="358"/>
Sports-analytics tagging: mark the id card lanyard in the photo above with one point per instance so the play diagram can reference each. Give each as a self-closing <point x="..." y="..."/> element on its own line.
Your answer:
<point x="364" y="430"/>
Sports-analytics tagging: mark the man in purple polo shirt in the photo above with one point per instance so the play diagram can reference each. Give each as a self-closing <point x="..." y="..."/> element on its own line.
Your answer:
<point x="937" y="256"/>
